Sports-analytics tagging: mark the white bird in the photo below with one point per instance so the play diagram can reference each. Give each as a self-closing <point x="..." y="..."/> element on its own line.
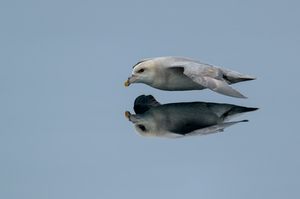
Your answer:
<point x="179" y="73"/>
<point x="182" y="119"/>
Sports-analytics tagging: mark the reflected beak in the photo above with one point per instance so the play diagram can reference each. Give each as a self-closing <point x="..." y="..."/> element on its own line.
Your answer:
<point x="131" y="117"/>
<point x="127" y="114"/>
<point x="130" y="80"/>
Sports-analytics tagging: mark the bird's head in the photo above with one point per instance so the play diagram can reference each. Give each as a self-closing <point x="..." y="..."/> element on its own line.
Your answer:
<point x="143" y="72"/>
<point x="144" y="126"/>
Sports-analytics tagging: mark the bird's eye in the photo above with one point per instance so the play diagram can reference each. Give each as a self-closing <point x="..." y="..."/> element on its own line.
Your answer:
<point x="141" y="70"/>
<point x="142" y="127"/>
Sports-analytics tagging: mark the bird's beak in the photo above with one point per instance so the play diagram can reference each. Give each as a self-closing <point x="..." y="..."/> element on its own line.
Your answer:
<point x="130" y="80"/>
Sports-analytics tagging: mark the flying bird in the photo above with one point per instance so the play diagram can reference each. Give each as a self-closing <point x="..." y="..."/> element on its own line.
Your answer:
<point x="180" y="73"/>
<point x="182" y="119"/>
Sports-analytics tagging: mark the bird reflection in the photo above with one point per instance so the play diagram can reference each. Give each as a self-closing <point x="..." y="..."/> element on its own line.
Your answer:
<point x="182" y="119"/>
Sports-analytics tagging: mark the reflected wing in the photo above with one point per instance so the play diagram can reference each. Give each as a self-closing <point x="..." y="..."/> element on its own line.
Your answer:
<point x="213" y="129"/>
<point x="143" y="103"/>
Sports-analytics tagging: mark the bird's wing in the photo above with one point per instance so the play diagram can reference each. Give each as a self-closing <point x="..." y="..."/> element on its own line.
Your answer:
<point x="216" y="85"/>
<point x="206" y="75"/>
<point x="213" y="129"/>
<point x="143" y="103"/>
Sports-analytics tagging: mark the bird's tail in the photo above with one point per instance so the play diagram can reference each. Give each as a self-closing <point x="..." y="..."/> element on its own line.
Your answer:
<point x="233" y="77"/>
<point x="236" y="111"/>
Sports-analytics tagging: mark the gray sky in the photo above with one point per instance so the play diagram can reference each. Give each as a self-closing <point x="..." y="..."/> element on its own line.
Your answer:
<point x="63" y="133"/>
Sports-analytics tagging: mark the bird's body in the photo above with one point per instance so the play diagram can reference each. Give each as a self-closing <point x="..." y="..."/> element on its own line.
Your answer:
<point x="178" y="74"/>
<point x="182" y="119"/>
<point x="171" y="79"/>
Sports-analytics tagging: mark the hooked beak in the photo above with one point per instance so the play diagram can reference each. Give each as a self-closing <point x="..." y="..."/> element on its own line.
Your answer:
<point x="132" y="118"/>
<point x="130" y="80"/>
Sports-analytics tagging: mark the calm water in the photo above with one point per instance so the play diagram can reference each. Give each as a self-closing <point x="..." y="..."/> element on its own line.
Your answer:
<point x="63" y="132"/>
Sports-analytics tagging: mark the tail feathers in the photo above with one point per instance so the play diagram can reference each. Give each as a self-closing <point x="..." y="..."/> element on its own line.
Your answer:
<point x="143" y="103"/>
<point x="235" y="111"/>
<point x="241" y="79"/>
<point x="233" y="77"/>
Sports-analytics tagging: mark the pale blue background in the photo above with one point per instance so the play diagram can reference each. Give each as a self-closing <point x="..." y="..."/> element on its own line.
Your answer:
<point x="63" y="133"/>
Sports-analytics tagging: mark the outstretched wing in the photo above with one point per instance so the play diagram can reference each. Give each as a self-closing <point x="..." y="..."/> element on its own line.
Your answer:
<point x="206" y="75"/>
<point x="213" y="84"/>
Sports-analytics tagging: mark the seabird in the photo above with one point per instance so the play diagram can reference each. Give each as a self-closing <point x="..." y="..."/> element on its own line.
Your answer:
<point x="180" y="73"/>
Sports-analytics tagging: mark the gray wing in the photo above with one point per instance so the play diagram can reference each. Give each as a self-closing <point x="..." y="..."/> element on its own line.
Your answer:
<point x="204" y="74"/>
<point x="213" y="84"/>
<point x="213" y="129"/>
<point x="143" y="103"/>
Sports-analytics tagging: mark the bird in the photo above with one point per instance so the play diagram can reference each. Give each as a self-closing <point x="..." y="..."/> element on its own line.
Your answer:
<point x="173" y="73"/>
<point x="182" y="119"/>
